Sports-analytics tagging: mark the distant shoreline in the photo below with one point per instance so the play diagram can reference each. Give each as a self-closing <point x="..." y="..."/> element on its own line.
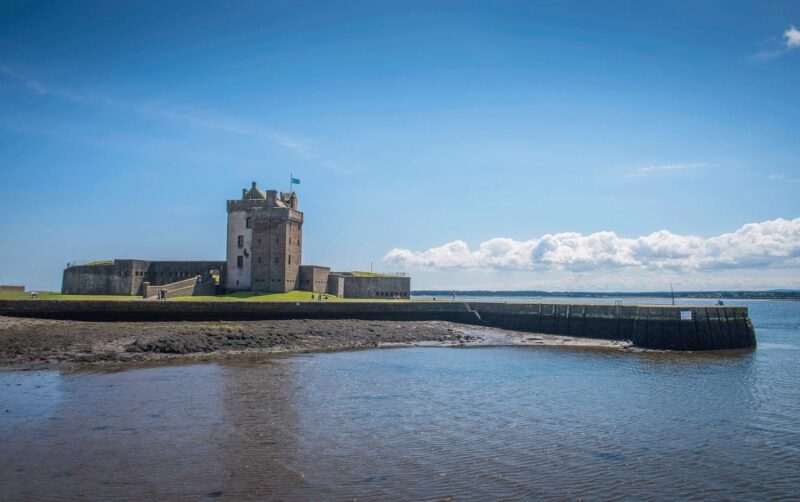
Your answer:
<point x="731" y="295"/>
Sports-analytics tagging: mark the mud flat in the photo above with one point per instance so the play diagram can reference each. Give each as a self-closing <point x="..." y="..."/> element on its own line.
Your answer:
<point x="27" y="343"/>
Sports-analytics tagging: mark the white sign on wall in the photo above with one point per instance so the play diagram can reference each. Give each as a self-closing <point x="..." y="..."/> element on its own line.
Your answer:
<point x="686" y="315"/>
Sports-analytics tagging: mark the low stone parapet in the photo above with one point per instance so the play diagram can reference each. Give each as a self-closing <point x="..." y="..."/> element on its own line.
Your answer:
<point x="647" y="326"/>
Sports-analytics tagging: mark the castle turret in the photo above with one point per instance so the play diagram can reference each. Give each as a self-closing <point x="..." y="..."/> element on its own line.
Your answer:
<point x="264" y="241"/>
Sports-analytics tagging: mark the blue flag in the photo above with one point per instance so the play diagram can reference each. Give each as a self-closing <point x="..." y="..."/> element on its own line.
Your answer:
<point x="295" y="181"/>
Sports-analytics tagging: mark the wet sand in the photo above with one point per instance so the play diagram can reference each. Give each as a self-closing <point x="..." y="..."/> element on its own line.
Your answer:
<point x="39" y="343"/>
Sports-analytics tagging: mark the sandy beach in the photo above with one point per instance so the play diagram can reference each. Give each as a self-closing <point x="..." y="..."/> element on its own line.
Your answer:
<point x="39" y="343"/>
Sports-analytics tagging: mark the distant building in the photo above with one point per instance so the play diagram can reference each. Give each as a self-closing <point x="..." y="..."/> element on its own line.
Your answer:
<point x="263" y="254"/>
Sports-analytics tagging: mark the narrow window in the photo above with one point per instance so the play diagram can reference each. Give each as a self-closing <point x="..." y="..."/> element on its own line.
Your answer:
<point x="240" y="241"/>
<point x="239" y="261"/>
<point x="259" y="259"/>
<point x="290" y="259"/>
<point x="276" y="260"/>
<point x="249" y="222"/>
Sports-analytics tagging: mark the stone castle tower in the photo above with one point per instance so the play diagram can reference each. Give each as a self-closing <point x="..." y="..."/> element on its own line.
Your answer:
<point x="265" y="241"/>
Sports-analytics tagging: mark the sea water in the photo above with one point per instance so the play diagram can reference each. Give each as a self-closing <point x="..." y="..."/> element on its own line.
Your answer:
<point x="469" y="423"/>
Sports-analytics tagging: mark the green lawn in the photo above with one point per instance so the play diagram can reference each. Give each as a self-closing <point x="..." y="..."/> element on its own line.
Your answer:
<point x="369" y="274"/>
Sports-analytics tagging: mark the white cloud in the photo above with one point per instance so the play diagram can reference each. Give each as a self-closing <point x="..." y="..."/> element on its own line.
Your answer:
<point x="667" y="168"/>
<point x="775" y="177"/>
<point x="774" y="243"/>
<point x="791" y="41"/>
<point x="792" y="36"/>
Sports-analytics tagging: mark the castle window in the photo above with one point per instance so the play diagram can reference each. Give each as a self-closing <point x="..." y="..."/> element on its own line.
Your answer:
<point x="276" y="260"/>
<point x="290" y="259"/>
<point x="239" y="261"/>
<point x="248" y="222"/>
<point x="240" y="241"/>
<point x="259" y="259"/>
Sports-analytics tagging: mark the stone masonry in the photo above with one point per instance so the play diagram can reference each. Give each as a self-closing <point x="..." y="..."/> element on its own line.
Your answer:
<point x="264" y="253"/>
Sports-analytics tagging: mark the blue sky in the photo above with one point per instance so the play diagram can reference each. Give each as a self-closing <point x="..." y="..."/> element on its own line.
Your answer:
<point x="513" y="145"/>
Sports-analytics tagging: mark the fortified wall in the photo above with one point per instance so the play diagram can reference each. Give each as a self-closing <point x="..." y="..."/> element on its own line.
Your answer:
<point x="647" y="326"/>
<point x="378" y="286"/>
<point x="126" y="277"/>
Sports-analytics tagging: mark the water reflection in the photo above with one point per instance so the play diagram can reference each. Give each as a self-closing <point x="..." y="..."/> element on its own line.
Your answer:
<point x="412" y="423"/>
<point x="518" y="422"/>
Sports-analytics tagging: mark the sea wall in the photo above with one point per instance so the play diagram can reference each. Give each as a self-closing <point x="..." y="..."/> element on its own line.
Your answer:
<point x="647" y="326"/>
<point x="150" y="310"/>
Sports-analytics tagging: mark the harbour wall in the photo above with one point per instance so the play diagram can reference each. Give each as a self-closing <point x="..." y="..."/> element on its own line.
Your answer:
<point x="647" y="326"/>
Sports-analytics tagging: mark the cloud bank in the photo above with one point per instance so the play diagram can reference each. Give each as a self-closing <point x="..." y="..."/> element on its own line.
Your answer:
<point x="769" y="244"/>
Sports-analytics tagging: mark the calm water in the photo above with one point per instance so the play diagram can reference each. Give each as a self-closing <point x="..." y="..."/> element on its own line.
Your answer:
<point x="416" y="423"/>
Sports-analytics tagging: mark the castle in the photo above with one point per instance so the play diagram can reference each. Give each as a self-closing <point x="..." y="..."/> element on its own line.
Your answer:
<point x="265" y="233"/>
<point x="263" y="254"/>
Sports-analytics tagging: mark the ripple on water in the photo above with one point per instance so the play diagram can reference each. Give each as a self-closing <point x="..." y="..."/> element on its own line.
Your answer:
<point x="414" y="423"/>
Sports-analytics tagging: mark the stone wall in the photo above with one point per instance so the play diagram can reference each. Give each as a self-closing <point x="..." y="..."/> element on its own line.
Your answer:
<point x="125" y="277"/>
<point x="377" y="287"/>
<point x="176" y="310"/>
<point x="276" y="250"/>
<point x="165" y="272"/>
<point x="194" y="286"/>
<point x="120" y="277"/>
<point x="313" y="278"/>
<point x="647" y="326"/>
<point x="238" y="277"/>
<point x="7" y="288"/>
<point x="654" y="327"/>
<point x="335" y="285"/>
